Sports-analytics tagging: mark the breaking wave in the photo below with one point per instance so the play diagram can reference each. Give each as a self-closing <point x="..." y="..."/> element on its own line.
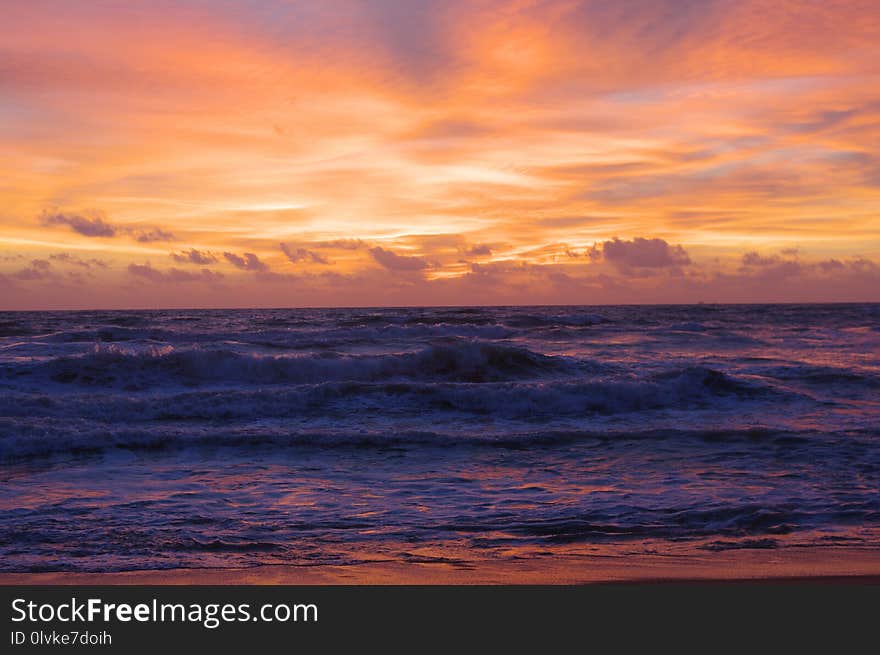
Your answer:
<point x="117" y="366"/>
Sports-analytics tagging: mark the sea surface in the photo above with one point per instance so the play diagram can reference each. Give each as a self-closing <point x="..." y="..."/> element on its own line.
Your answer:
<point x="228" y="438"/>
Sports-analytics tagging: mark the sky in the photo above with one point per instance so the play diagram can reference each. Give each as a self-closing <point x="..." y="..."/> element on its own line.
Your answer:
<point x="379" y="152"/>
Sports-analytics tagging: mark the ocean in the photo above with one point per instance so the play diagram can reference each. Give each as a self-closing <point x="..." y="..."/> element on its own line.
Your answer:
<point x="238" y="438"/>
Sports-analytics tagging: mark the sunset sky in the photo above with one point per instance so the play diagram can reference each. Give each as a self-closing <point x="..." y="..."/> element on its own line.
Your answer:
<point x="397" y="152"/>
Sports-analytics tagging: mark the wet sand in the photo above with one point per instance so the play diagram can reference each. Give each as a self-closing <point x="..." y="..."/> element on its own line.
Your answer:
<point x="790" y="565"/>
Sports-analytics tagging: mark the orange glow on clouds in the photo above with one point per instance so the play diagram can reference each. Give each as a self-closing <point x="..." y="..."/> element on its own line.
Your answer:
<point x="381" y="152"/>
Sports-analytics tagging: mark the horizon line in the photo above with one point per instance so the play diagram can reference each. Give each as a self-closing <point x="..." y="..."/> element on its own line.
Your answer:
<point x="442" y="306"/>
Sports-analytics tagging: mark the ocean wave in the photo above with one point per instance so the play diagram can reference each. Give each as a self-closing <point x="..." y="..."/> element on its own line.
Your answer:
<point x="546" y="398"/>
<point x="741" y="522"/>
<point x="116" y="366"/>
<point x="553" y="320"/>
<point x="13" y="328"/>
<point x="178" y="438"/>
<point x="29" y="437"/>
<point x="300" y="337"/>
<point x="813" y="374"/>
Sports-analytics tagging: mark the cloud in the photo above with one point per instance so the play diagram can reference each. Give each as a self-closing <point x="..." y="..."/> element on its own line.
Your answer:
<point x="301" y="254"/>
<point x="773" y="267"/>
<point x="342" y="244"/>
<point x="644" y="253"/>
<point x="394" y="262"/>
<point x="781" y="280"/>
<point x="95" y="226"/>
<point x="42" y="270"/>
<point x="478" y="250"/>
<point x="247" y="261"/>
<point x="147" y="272"/>
<point x="752" y="258"/>
<point x="152" y="234"/>
<point x="593" y="253"/>
<point x="67" y="258"/>
<point x="830" y="265"/>
<point x="555" y="123"/>
<point x="39" y="269"/>
<point x="193" y="256"/>
<point x="864" y="267"/>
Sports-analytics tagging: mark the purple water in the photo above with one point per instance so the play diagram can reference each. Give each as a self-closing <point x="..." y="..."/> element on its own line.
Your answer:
<point x="164" y="439"/>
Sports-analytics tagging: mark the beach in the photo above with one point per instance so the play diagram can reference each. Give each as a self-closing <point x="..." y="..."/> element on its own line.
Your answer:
<point x="797" y="565"/>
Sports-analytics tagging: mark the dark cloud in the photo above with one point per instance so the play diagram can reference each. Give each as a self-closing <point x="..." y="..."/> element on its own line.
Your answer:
<point x="39" y="269"/>
<point x="753" y="258"/>
<point x="644" y="253"/>
<point x="342" y="244"/>
<point x="783" y="280"/>
<point x="394" y="262"/>
<point x="147" y="272"/>
<point x="864" y="267"/>
<point x="593" y="253"/>
<point x="152" y="234"/>
<point x="95" y="226"/>
<point x="829" y="265"/>
<point x="301" y="254"/>
<point x="67" y="258"/>
<point x="782" y="270"/>
<point x="204" y="275"/>
<point x="478" y="250"/>
<point x="246" y="261"/>
<point x="773" y="267"/>
<point x="193" y="256"/>
<point x="501" y="268"/>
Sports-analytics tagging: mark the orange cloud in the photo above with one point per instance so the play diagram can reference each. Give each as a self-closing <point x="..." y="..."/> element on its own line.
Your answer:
<point x="484" y="149"/>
